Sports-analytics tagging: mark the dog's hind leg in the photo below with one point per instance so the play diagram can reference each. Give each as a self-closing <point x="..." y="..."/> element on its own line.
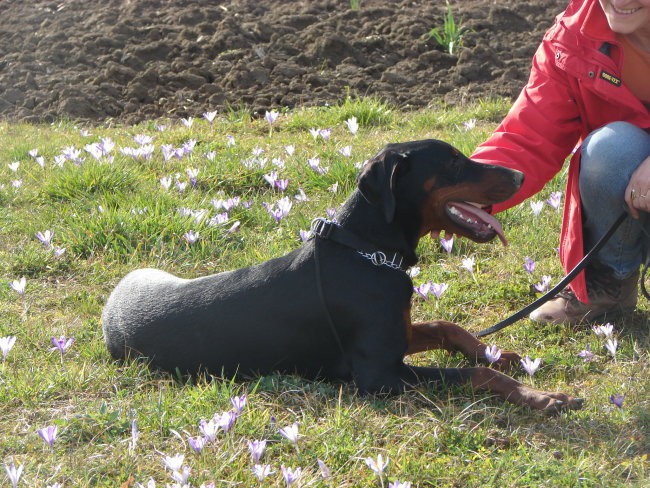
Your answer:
<point x="440" y="334"/>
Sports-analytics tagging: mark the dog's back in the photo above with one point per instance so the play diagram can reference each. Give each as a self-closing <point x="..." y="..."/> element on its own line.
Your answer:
<point x="220" y="323"/>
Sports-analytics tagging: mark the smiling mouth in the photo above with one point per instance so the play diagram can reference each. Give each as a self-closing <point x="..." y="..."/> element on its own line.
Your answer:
<point x="478" y="224"/>
<point x="628" y="11"/>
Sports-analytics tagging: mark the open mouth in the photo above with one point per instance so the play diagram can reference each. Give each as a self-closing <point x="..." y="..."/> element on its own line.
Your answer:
<point x="476" y="223"/>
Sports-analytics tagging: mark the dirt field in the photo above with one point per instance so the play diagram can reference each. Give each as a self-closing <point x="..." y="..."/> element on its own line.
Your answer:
<point x="133" y="60"/>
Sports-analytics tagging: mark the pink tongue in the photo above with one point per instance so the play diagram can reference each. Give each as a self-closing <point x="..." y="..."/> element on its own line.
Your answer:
<point x="482" y="216"/>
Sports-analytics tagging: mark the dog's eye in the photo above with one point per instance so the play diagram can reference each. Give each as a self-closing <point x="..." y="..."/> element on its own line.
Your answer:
<point x="455" y="167"/>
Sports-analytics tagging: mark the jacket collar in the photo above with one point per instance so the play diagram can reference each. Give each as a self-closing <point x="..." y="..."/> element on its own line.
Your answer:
<point x="593" y="22"/>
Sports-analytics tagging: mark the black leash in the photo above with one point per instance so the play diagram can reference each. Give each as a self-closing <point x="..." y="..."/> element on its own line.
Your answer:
<point x="565" y="281"/>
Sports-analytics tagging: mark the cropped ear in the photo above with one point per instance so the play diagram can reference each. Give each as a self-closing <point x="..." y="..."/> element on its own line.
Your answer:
<point x="377" y="181"/>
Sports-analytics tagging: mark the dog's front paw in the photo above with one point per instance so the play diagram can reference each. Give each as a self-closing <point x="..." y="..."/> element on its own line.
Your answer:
<point x="550" y="402"/>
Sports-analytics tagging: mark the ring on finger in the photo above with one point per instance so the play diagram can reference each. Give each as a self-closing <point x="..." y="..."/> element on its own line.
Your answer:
<point x="633" y="195"/>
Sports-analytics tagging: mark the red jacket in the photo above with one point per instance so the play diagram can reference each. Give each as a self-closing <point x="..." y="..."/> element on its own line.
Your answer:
<point x="574" y="88"/>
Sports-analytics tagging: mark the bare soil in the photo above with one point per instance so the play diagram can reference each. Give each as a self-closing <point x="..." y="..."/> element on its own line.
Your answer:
<point x="133" y="60"/>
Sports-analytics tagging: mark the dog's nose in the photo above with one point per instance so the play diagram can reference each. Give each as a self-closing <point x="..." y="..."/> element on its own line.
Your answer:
<point x="517" y="178"/>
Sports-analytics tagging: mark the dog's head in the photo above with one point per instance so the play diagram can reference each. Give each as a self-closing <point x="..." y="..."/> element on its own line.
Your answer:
<point x="429" y="185"/>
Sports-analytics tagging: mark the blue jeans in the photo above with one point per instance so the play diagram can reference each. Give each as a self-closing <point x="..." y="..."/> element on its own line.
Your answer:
<point x="609" y="156"/>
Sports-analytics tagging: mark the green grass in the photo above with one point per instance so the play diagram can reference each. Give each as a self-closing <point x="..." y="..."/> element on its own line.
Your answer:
<point x="114" y="217"/>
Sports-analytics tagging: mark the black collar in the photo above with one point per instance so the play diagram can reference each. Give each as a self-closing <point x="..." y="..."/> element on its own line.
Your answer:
<point x="327" y="229"/>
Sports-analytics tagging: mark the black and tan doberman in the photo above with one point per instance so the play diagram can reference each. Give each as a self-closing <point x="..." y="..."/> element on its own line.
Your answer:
<point x="338" y="307"/>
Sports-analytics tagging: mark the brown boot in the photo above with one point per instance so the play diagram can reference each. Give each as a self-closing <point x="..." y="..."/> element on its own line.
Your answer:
<point x="607" y="296"/>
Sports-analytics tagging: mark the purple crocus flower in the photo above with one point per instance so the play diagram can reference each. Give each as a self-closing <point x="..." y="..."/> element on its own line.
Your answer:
<point x="106" y="145"/>
<point x="492" y="354"/>
<point x="606" y="330"/>
<point x="191" y="237"/>
<point x="167" y="151"/>
<point x="447" y="244"/>
<point x="611" y="345"/>
<point x="174" y="463"/>
<point x="468" y="264"/>
<point x="586" y="354"/>
<point x="423" y="290"/>
<point x="210" y="116"/>
<point x="470" y="124"/>
<point x="530" y="366"/>
<point x="544" y="285"/>
<point x="325" y="134"/>
<point x="261" y="471"/>
<point x="45" y="237"/>
<point x="197" y="443"/>
<point x="62" y="344"/>
<point x="555" y="199"/>
<point x="94" y="150"/>
<point x="281" y="210"/>
<point x="305" y="235"/>
<point x="142" y="139"/>
<point x="226" y="421"/>
<point x="400" y="484"/>
<point x="353" y="125"/>
<point x="6" y="343"/>
<point x="330" y="212"/>
<point x="14" y="473"/>
<point x="48" y="434"/>
<point x="271" y="116"/>
<point x="529" y="265"/>
<point x="314" y="164"/>
<point x="290" y="432"/>
<point x="537" y="208"/>
<point x="617" y="400"/>
<point x="192" y="175"/>
<point x="377" y="465"/>
<point x="325" y="472"/>
<point x="181" y="185"/>
<point x="301" y="196"/>
<point x="150" y="484"/>
<point x="135" y="435"/>
<point x="187" y="122"/>
<point x="188" y="146"/>
<point x="209" y="429"/>
<point x="290" y="475"/>
<point x="182" y="475"/>
<point x="271" y="178"/>
<point x="437" y="289"/>
<point x="346" y="151"/>
<point x="238" y="403"/>
<point x="256" y="449"/>
<point x="166" y="182"/>
<point x="282" y="184"/>
<point x="18" y="285"/>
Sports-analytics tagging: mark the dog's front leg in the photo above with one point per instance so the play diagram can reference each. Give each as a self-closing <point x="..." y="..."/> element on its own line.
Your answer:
<point x="440" y="334"/>
<point x="504" y="386"/>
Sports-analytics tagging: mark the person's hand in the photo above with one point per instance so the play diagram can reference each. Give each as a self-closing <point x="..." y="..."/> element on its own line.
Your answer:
<point x="637" y="193"/>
